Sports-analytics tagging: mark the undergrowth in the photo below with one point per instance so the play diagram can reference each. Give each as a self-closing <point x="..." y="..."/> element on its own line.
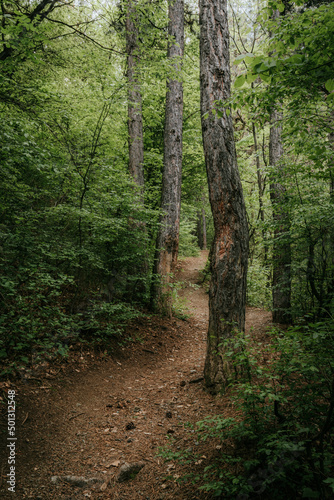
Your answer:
<point x="281" y="446"/>
<point x="37" y="324"/>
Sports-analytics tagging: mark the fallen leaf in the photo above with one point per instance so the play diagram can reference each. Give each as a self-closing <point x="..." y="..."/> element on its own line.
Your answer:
<point x="115" y="463"/>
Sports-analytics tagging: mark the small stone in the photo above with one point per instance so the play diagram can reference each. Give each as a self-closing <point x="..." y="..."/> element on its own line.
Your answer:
<point x="129" y="471"/>
<point x="130" y="426"/>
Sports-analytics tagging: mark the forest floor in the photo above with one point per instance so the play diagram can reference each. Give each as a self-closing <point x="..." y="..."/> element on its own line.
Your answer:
<point x="92" y="413"/>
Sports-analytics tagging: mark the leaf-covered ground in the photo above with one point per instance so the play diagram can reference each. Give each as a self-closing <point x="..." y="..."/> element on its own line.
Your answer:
<point x="93" y="413"/>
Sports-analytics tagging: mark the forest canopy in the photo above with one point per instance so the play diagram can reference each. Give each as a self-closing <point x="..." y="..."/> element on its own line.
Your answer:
<point x="79" y="234"/>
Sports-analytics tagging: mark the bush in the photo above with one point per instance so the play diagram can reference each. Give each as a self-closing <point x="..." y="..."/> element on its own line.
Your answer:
<point x="258" y="285"/>
<point x="282" y="445"/>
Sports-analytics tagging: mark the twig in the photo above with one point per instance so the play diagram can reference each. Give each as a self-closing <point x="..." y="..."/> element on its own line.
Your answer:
<point x="78" y="415"/>
<point x="25" y="419"/>
<point x="195" y="380"/>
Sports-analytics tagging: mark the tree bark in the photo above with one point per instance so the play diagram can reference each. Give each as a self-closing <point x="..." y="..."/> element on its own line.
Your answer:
<point x="229" y="253"/>
<point x="281" y="285"/>
<point x="199" y="229"/>
<point x="168" y="237"/>
<point x="204" y="229"/>
<point x="135" y="119"/>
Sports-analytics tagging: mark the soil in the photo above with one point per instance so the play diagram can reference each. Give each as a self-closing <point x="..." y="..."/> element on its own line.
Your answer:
<point x="94" y="412"/>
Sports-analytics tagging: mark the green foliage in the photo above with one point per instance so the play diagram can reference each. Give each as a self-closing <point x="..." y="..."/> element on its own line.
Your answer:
<point x="179" y="304"/>
<point x="282" y="444"/>
<point x="104" y="322"/>
<point x="258" y="285"/>
<point x="72" y="244"/>
<point x="187" y="241"/>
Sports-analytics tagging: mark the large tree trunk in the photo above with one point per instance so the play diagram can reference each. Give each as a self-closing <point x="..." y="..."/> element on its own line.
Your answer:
<point x="135" y="120"/>
<point x="281" y="286"/>
<point x="229" y="252"/>
<point x="168" y="238"/>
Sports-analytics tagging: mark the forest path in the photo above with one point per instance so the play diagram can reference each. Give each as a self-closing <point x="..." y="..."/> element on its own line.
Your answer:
<point x="102" y="411"/>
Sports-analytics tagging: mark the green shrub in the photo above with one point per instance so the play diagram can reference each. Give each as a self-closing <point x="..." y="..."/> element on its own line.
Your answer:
<point x="187" y="241"/>
<point x="258" y="285"/>
<point x="282" y="444"/>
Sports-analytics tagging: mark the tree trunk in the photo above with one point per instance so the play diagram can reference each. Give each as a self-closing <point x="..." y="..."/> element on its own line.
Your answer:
<point x="199" y="229"/>
<point x="229" y="252"/>
<point x="168" y="237"/>
<point x="201" y="224"/>
<point x="261" y="188"/>
<point x="281" y="286"/>
<point x="135" y="120"/>
<point x="204" y="229"/>
<point x="331" y="166"/>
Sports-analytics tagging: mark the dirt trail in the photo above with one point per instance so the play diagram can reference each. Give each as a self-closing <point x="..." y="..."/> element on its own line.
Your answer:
<point x="100" y="412"/>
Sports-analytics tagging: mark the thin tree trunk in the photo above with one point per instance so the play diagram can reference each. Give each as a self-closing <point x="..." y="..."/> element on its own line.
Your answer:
<point x="168" y="237"/>
<point x="204" y="229"/>
<point x="199" y="229"/>
<point x="201" y="224"/>
<point x="331" y="166"/>
<point x="281" y="286"/>
<point x="260" y="185"/>
<point x="135" y="137"/>
<point x="135" y="119"/>
<point x="229" y="252"/>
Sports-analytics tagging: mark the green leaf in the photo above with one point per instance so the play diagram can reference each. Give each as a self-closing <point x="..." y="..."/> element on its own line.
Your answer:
<point x="308" y="493"/>
<point x="239" y="82"/>
<point x="329" y="85"/>
<point x="239" y="59"/>
<point x="251" y="77"/>
<point x="330" y="482"/>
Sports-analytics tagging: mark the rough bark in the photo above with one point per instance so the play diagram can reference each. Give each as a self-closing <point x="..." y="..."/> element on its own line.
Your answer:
<point x="229" y="252"/>
<point x="168" y="238"/>
<point x="135" y="120"/>
<point x="281" y="284"/>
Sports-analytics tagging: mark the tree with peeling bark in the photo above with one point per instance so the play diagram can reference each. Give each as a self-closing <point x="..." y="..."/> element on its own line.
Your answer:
<point x="135" y="118"/>
<point x="229" y="252"/>
<point x="168" y="237"/>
